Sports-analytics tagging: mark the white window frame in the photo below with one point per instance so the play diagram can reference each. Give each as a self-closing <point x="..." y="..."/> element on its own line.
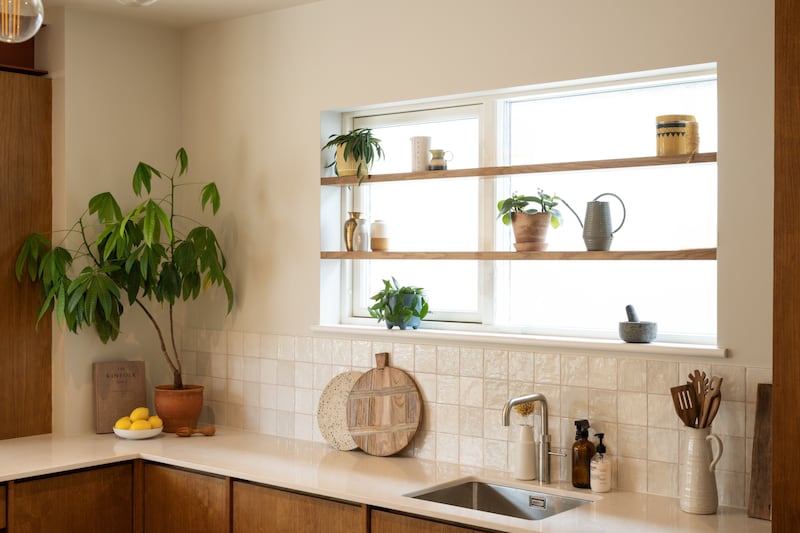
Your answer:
<point x="494" y="106"/>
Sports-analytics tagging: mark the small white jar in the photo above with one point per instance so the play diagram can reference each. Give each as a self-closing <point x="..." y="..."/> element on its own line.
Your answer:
<point x="379" y="236"/>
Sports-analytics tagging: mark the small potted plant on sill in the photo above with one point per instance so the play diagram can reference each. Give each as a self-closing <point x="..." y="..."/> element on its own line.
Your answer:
<point x="530" y="224"/>
<point x="399" y="306"/>
<point x="127" y="260"/>
<point x="355" y="152"/>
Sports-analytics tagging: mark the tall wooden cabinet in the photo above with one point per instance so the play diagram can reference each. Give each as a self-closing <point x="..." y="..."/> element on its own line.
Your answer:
<point x="786" y="293"/>
<point x="25" y="206"/>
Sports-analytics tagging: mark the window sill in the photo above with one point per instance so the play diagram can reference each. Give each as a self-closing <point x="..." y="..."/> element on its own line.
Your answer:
<point x="526" y="341"/>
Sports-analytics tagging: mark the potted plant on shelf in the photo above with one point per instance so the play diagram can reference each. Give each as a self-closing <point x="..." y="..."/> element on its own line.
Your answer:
<point x="399" y="306"/>
<point x="355" y="152"/>
<point x="530" y="224"/>
<point x="127" y="260"/>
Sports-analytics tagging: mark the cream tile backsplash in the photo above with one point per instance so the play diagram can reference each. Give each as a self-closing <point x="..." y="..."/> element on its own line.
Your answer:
<point x="272" y="383"/>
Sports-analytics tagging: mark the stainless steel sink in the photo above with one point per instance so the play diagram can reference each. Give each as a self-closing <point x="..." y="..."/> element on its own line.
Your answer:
<point x="501" y="499"/>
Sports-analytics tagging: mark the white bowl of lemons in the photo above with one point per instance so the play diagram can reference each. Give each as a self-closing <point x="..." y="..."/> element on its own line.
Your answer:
<point x="138" y="425"/>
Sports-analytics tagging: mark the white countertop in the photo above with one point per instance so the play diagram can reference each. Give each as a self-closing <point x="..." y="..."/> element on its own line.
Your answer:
<point x="357" y="477"/>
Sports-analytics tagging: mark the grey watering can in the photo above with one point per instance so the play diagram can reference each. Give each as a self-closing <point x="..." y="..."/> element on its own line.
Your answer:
<point x="597" y="232"/>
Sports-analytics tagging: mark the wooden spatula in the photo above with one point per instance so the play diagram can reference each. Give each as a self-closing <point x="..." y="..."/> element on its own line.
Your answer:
<point x="685" y="400"/>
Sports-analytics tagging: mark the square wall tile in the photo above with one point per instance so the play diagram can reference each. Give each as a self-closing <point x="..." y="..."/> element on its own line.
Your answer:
<point x="471" y="362"/>
<point x="753" y="378"/>
<point x="520" y="366"/>
<point x="662" y="478"/>
<point x="403" y="356"/>
<point x="661" y="376"/>
<point x="447" y="360"/>
<point x="447" y="388"/>
<point x="575" y="402"/>
<point x="574" y="370"/>
<point x="602" y="406"/>
<point x="425" y="358"/>
<point x="734" y="381"/>
<point x="662" y="445"/>
<point x="632" y="375"/>
<point x="631" y="474"/>
<point x="471" y="391"/>
<point x="547" y="368"/>
<point x="603" y="373"/>
<point x="661" y="412"/>
<point x="632" y="408"/>
<point x="495" y="364"/>
<point x="632" y="441"/>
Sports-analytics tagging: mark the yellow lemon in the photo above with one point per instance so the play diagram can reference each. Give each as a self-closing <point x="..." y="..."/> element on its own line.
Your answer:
<point x="141" y="424"/>
<point x="155" y="422"/>
<point x="123" y="423"/>
<point x="140" y="413"/>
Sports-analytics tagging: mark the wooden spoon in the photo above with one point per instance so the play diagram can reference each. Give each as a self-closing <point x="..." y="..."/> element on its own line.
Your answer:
<point x="208" y="431"/>
<point x="712" y="393"/>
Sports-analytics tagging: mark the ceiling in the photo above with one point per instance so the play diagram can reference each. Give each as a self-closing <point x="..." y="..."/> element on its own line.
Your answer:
<point x="181" y="13"/>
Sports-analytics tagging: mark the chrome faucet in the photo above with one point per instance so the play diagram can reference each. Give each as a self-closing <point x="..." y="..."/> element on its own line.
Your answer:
<point x="543" y="445"/>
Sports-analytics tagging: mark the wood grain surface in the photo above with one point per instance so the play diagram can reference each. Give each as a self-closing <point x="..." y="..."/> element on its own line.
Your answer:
<point x="383" y="409"/>
<point x="786" y="279"/>
<point x="760" y="503"/>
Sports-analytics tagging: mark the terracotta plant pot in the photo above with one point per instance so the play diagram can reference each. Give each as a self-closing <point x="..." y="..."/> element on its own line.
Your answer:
<point x="530" y="231"/>
<point x="179" y="408"/>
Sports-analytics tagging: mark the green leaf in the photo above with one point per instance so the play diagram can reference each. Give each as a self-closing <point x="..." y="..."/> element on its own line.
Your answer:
<point x="210" y="194"/>
<point x="142" y="177"/>
<point x="106" y="207"/>
<point x="183" y="158"/>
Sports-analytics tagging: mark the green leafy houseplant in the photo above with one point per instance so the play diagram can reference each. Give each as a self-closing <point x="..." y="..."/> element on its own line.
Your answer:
<point x="358" y="145"/>
<point x="399" y="306"/>
<point x="129" y="259"/>
<point x="544" y="203"/>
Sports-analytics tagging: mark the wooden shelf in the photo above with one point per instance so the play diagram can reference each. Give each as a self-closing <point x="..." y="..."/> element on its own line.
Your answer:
<point x="488" y="172"/>
<point x="695" y="254"/>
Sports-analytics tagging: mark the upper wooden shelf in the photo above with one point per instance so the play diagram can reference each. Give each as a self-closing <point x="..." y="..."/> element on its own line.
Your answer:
<point x="484" y="172"/>
<point x="697" y="254"/>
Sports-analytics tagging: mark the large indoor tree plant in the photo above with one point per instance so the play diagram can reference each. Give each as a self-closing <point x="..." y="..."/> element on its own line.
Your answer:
<point x="147" y="255"/>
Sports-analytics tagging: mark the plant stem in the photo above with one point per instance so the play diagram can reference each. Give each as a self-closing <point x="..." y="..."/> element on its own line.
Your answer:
<point x="176" y="374"/>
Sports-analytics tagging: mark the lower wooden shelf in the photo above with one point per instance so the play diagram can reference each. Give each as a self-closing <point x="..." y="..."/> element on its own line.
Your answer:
<point x="696" y="254"/>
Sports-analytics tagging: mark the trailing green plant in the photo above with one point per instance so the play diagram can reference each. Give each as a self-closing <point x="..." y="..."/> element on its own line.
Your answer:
<point x="359" y="145"/>
<point x="128" y="259"/>
<point x="543" y="203"/>
<point x="392" y="305"/>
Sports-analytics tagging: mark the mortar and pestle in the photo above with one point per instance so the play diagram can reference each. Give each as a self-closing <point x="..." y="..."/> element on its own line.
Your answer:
<point x="635" y="331"/>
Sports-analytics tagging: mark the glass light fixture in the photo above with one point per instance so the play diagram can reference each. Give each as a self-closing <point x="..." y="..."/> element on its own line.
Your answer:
<point x="137" y="3"/>
<point x="20" y="19"/>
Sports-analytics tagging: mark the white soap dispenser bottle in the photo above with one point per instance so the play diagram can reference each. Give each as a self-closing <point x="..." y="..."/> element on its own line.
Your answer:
<point x="600" y="468"/>
<point x="525" y="456"/>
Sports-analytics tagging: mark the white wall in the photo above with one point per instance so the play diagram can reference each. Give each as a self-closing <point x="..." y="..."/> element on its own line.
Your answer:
<point x="116" y="101"/>
<point x="254" y="89"/>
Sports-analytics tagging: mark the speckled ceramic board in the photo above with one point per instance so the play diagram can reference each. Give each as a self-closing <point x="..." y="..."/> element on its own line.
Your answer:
<point x="332" y="411"/>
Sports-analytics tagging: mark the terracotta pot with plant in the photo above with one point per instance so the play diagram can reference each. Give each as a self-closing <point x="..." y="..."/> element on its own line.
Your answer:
<point x="129" y="260"/>
<point x="530" y="224"/>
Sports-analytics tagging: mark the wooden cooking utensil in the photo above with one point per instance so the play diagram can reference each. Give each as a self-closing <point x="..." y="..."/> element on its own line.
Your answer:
<point x="208" y="431"/>
<point x="685" y="401"/>
<point x="383" y="409"/>
<point x="700" y="383"/>
<point x="712" y="393"/>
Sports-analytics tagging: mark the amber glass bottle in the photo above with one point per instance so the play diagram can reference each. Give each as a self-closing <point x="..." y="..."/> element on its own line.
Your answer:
<point x="582" y="452"/>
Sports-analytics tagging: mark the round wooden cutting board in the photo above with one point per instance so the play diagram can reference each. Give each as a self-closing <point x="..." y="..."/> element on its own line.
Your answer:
<point x="383" y="409"/>
<point x="332" y="411"/>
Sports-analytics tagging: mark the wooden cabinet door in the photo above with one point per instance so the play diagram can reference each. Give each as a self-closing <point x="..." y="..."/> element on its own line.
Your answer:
<point x="25" y="207"/>
<point x="97" y="500"/>
<point x="386" y="522"/>
<point x="181" y="500"/>
<point x="257" y="508"/>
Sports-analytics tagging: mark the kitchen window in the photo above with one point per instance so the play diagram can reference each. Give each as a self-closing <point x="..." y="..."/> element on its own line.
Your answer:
<point x="668" y="207"/>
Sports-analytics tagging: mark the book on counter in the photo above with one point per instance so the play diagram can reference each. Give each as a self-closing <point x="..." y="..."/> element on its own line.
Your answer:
<point x="119" y="387"/>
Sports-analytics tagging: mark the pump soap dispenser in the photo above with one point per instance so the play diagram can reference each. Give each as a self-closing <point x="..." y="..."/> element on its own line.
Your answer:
<point x="600" y="471"/>
<point x="582" y="452"/>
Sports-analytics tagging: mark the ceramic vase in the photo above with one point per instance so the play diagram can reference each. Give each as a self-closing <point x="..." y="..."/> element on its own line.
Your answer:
<point x="350" y="229"/>
<point x="698" y="485"/>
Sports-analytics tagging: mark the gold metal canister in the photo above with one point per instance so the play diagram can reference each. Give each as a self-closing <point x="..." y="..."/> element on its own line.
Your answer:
<point x="676" y="134"/>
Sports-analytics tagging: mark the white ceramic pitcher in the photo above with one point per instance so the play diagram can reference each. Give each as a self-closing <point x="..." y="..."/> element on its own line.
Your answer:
<point x="698" y="486"/>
